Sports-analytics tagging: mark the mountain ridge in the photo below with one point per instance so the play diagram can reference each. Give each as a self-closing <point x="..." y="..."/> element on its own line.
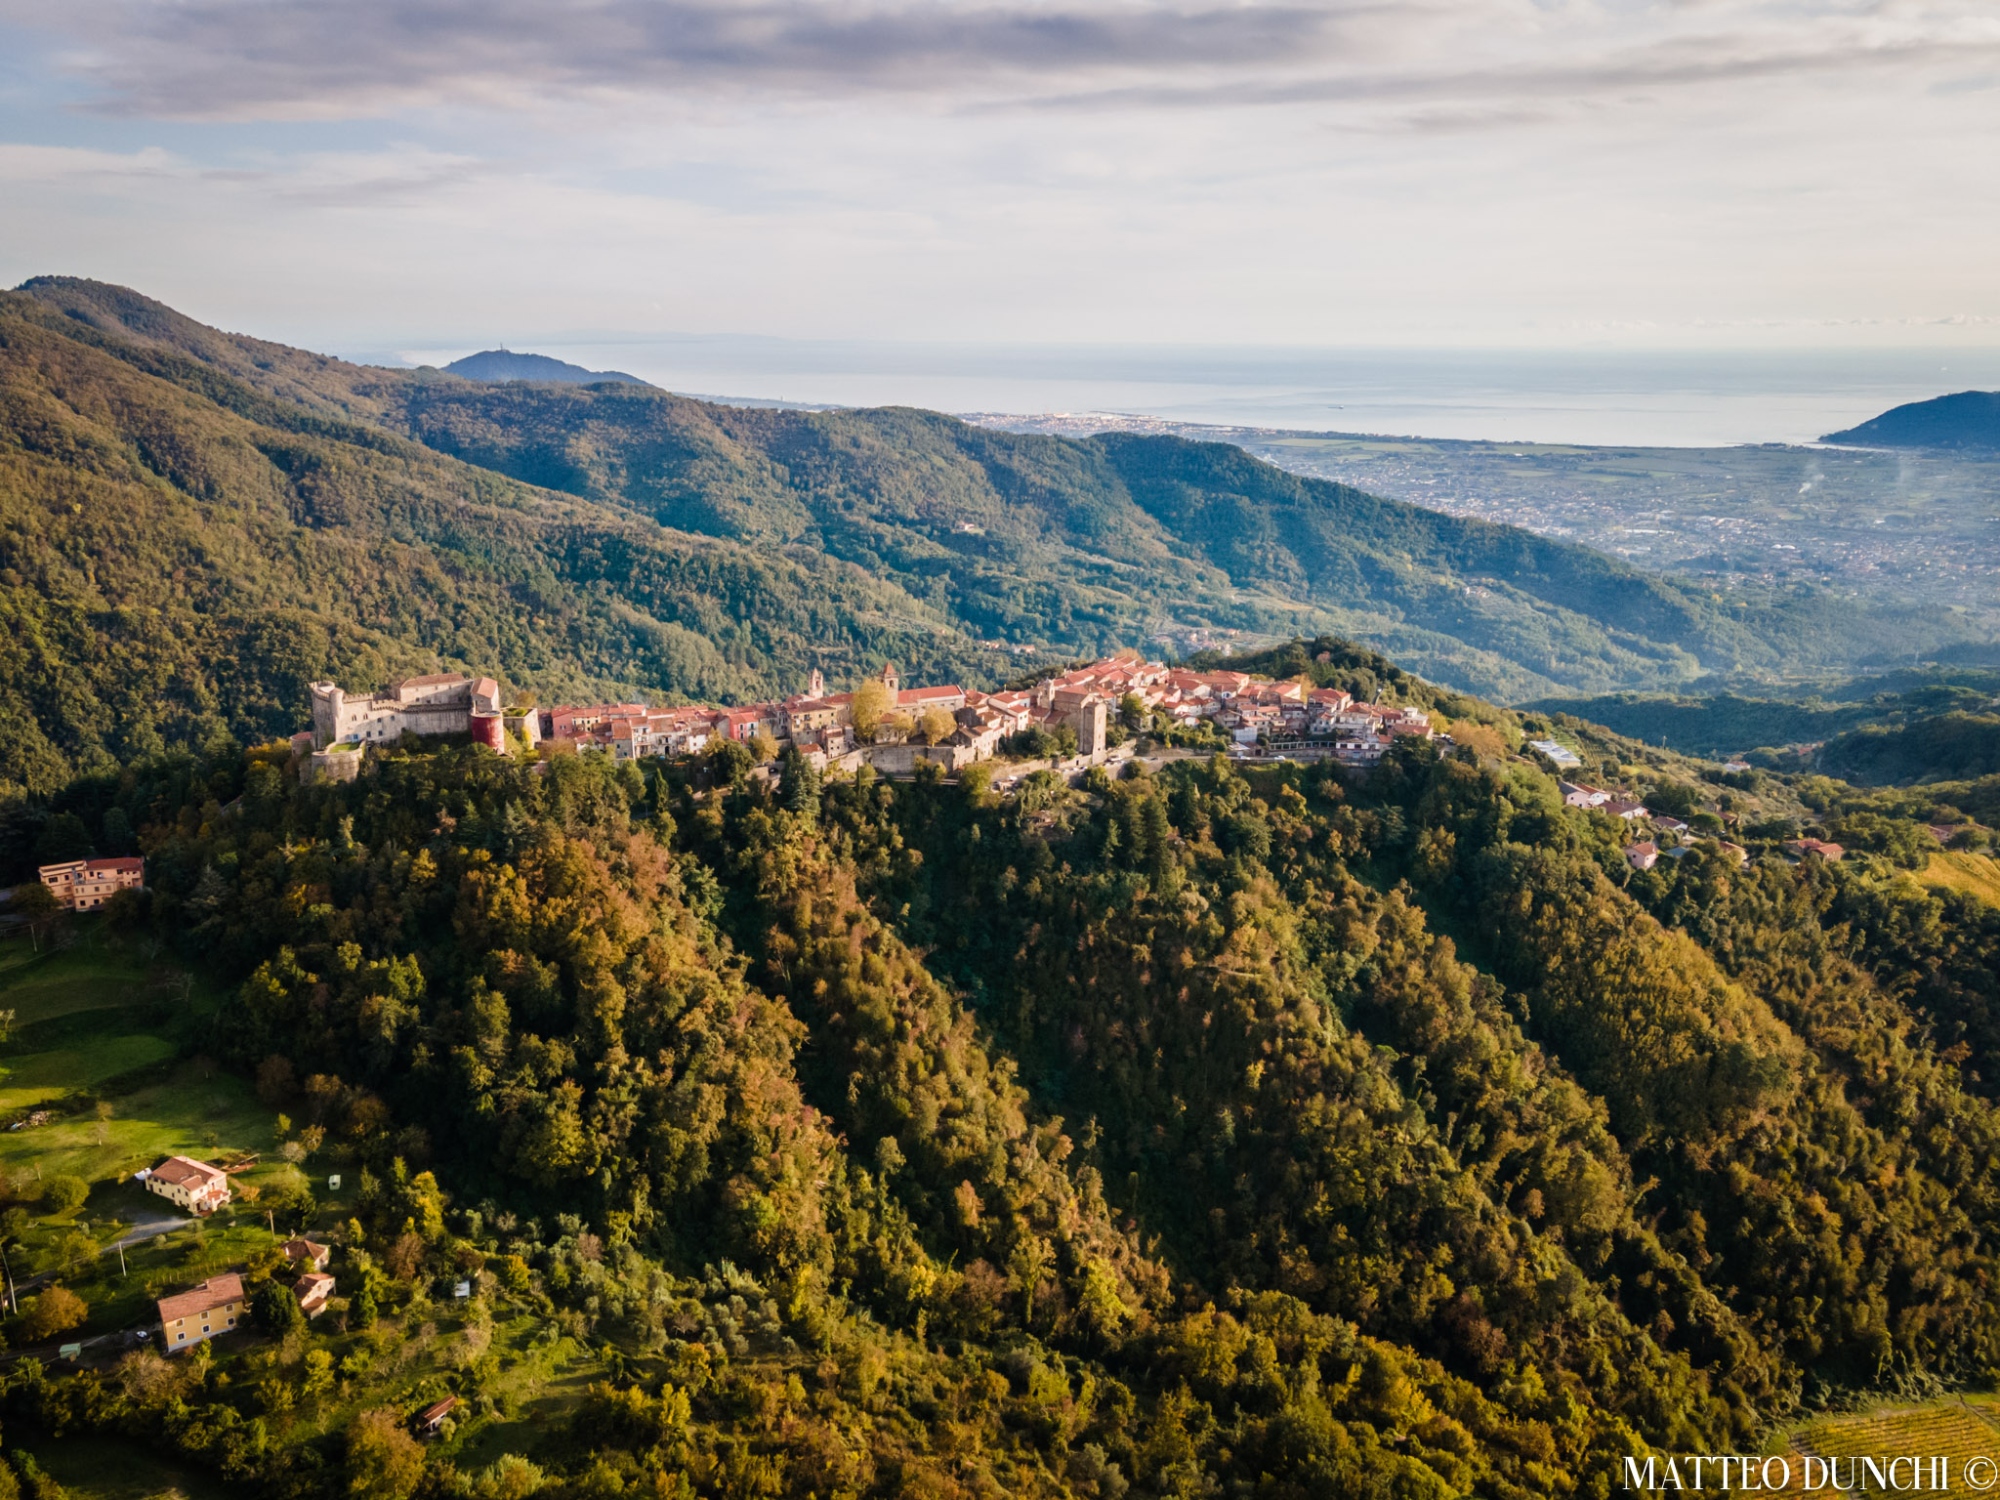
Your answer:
<point x="294" y="516"/>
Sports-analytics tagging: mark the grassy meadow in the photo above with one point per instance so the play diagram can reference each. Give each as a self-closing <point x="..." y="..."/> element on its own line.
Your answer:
<point x="1956" y="1428"/>
<point x="1958" y="870"/>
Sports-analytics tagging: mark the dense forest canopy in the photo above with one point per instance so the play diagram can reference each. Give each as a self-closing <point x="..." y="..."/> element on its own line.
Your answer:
<point x="194" y="524"/>
<point x="1266" y="1129"/>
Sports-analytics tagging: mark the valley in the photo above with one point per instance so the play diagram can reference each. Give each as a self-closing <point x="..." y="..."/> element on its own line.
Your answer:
<point x="1913" y="526"/>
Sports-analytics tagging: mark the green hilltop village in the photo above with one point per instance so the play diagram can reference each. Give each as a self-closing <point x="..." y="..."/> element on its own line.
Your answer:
<point x="1274" y="1076"/>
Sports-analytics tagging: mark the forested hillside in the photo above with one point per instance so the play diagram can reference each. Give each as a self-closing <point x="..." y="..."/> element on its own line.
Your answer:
<point x="1936" y="725"/>
<point x="1964" y="419"/>
<point x="192" y="524"/>
<point x="1275" y="1129"/>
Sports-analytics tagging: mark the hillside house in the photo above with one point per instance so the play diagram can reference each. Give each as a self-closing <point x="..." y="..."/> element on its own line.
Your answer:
<point x="216" y="1306"/>
<point x="307" y="1254"/>
<point x="1626" y="808"/>
<point x="1643" y="855"/>
<point x="430" y="1421"/>
<point x="312" y="1290"/>
<point x="190" y="1184"/>
<point x="1814" y="849"/>
<point x="86" y="884"/>
<point x="1576" y="794"/>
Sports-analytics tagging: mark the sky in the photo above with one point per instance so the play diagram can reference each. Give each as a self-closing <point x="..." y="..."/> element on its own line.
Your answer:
<point x="1552" y="174"/>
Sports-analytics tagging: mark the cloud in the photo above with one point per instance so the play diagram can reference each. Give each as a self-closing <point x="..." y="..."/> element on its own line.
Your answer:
<point x="306" y="59"/>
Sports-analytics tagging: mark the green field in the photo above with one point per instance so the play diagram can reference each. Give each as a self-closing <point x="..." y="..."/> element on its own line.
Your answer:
<point x="38" y="1077"/>
<point x="94" y="973"/>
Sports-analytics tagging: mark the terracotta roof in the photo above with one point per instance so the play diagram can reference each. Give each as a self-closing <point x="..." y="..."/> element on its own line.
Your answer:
<point x="438" y="1411"/>
<point x="303" y="1249"/>
<point x="314" y="1286"/>
<point x="185" y="1171"/>
<point x="126" y="862"/>
<point x="212" y="1293"/>
<point x="436" y="679"/>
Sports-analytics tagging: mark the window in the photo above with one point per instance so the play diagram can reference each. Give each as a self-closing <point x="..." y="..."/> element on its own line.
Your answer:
<point x="180" y="1338"/>
<point x="204" y="1328"/>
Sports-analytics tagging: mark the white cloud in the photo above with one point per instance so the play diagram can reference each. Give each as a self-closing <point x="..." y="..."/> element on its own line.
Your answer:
<point x="1449" y="171"/>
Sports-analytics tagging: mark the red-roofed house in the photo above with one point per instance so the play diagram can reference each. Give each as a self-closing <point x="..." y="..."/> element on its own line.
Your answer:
<point x="86" y="884"/>
<point x="194" y="1185"/>
<point x="216" y="1306"/>
<point x="307" y="1252"/>
<point x="312" y="1290"/>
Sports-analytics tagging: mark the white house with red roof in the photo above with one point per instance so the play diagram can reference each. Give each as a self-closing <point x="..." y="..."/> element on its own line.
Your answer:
<point x="190" y="1184"/>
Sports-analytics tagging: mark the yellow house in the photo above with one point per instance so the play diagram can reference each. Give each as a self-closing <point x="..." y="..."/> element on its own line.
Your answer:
<point x="216" y="1306"/>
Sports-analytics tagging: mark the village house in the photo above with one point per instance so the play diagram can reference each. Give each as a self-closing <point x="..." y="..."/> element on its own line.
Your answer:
<point x="216" y="1306"/>
<point x="193" y="1185"/>
<point x="1814" y="849"/>
<point x="1643" y="855"/>
<point x="430" y="1421"/>
<point x="307" y="1253"/>
<point x="1576" y="794"/>
<point x="1629" y="809"/>
<point x="86" y="884"/>
<point x="312" y="1290"/>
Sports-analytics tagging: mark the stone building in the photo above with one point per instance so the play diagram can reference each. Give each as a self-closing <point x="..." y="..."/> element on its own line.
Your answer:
<point x="445" y="703"/>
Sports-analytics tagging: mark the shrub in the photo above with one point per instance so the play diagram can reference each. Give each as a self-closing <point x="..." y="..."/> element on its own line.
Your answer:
<point x="65" y="1194"/>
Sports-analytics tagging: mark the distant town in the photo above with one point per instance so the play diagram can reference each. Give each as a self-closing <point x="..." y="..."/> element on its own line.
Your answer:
<point x="884" y="723"/>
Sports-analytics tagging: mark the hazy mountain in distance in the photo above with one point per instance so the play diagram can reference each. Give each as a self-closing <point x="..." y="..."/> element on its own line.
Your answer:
<point x="505" y="364"/>
<point x="1965" y="419"/>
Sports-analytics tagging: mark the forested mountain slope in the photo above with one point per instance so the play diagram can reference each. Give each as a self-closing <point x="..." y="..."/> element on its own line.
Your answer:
<point x="1274" y="1130"/>
<point x="180" y="553"/>
<point x="676" y="545"/>
<point x="1964" y="419"/>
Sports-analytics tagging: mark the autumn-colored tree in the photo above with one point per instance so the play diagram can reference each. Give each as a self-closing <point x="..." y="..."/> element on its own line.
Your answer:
<point x="54" y="1311"/>
<point x="871" y="705"/>
<point x="383" y="1461"/>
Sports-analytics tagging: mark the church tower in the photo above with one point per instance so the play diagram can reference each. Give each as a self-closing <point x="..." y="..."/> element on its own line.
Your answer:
<point x="816" y="687"/>
<point x="890" y="680"/>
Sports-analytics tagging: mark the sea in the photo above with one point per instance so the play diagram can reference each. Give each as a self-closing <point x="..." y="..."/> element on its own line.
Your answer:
<point x="1676" y="398"/>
